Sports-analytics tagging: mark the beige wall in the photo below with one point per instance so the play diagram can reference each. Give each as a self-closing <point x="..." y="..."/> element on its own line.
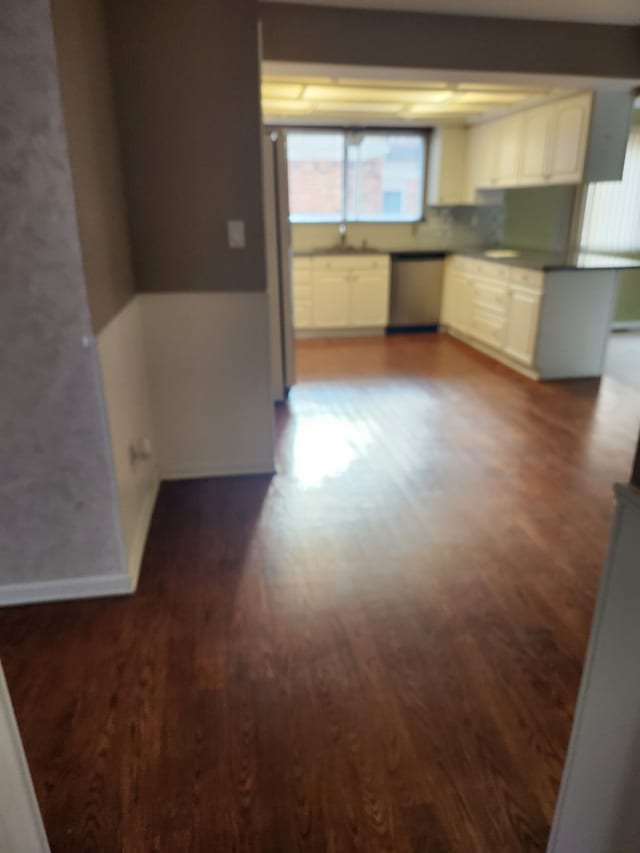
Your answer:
<point x="186" y="81"/>
<point x="83" y="63"/>
<point x="301" y="33"/>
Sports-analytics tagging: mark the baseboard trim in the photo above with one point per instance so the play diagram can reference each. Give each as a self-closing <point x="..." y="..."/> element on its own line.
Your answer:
<point x="201" y="472"/>
<point x="412" y="330"/>
<point x="492" y="353"/>
<point x="65" y="589"/>
<point x="363" y="332"/>
<point x="140" y="541"/>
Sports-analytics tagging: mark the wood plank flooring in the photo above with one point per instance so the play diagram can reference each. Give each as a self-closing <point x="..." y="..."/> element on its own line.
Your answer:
<point x="379" y="649"/>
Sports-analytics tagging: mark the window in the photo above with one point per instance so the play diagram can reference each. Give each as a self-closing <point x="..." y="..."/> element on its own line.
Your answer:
<point x="612" y="212"/>
<point x="355" y="177"/>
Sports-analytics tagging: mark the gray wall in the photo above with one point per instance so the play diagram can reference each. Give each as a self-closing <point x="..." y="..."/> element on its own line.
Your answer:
<point x="301" y="33"/>
<point x="57" y="499"/>
<point x="85" y="80"/>
<point x="538" y="218"/>
<point x="187" y="95"/>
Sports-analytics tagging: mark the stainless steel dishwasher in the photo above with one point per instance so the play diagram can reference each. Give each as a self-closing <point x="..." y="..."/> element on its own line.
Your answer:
<point x="416" y="290"/>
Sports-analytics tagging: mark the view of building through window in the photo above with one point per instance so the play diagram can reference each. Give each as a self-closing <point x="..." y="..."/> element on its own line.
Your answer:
<point x="336" y="176"/>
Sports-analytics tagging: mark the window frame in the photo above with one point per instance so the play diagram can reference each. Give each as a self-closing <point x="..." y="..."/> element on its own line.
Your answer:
<point x="423" y="132"/>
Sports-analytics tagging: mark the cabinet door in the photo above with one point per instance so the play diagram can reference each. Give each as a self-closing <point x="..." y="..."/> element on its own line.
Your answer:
<point x="369" y="300"/>
<point x="446" y="312"/>
<point x="522" y="324"/>
<point x="506" y="149"/>
<point x="480" y="164"/>
<point x="330" y="301"/>
<point x="486" y="326"/>
<point x="457" y="302"/>
<point x="448" y="155"/>
<point x="302" y="314"/>
<point x="570" y="132"/>
<point x="537" y="127"/>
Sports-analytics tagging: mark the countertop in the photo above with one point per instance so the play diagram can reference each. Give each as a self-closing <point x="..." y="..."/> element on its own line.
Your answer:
<point x="545" y="261"/>
<point x="556" y="261"/>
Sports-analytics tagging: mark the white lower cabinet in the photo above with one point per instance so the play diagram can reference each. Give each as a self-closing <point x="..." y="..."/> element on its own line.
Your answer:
<point x="330" y="301"/>
<point x="369" y="300"/>
<point x="522" y="325"/>
<point x="497" y="306"/>
<point x="333" y="293"/>
<point x="459" y="299"/>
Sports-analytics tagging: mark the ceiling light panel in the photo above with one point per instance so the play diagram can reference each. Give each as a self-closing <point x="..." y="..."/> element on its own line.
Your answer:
<point x="490" y="97"/>
<point x="279" y="107"/>
<point x="281" y="90"/>
<point x="391" y="84"/>
<point x="444" y="109"/>
<point x="356" y="95"/>
<point x="343" y="107"/>
<point x="298" y="81"/>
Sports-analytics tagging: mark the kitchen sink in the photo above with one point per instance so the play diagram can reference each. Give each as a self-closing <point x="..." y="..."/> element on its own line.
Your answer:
<point x="501" y="253"/>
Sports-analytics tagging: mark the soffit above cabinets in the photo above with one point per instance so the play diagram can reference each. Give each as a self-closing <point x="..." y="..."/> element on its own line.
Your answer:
<point x="323" y="100"/>
<point x="621" y="12"/>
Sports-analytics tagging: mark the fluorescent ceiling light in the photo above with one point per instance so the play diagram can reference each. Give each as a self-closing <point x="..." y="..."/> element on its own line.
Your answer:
<point x="444" y="109"/>
<point x="391" y="84"/>
<point x="283" y="107"/>
<point x="342" y="107"/>
<point x="355" y="95"/>
<point x="281" y="90"/>
<point x="298" y="81"/>
<point x="490" y="97"/>
<point x="489" y="87"/>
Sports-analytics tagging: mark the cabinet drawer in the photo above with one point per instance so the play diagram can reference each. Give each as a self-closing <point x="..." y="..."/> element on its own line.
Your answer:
<point x="526" y="277"/>
<point x="487" y="328"/>
<point x="495" y="272"/>
<point x="343" y="264"/>
<point x="302" y="313"/>
<point x="492" y="296"/>
<point x="460" y="263"/>
<point x="302" y="289"/>
<point x="301" y="264"/>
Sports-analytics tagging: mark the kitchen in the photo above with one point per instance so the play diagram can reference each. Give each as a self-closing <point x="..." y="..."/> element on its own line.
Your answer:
<point x="410" y="203"/>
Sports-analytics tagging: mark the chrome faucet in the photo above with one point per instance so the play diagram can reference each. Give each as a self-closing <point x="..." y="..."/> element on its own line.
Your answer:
<point x="342" y="230"/>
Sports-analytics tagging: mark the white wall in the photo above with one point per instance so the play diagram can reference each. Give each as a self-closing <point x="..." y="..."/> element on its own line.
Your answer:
<point x="597" y="808"/>
<point x="442" y="228"/>
<point x="126" y="391"/>
<point x="208" y="362"/>
<point x="21" y="829"/>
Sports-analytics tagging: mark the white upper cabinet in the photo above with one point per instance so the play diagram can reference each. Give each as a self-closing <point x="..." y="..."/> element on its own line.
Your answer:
<point x="576" y="139"/>
<point x="537" y="129"/>
<point x="479" y="161"/>
<point x="448" y="163"/>
<point x="507" y="143"/>
<point x="569" y="140"/>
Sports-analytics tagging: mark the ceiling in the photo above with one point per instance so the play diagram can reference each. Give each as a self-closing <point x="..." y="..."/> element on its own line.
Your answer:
<point x="594" y="11"/>
<point x="288" y="98"/>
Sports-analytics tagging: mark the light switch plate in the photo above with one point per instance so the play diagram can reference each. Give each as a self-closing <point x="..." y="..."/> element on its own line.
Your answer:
<point x="235" y="233"/>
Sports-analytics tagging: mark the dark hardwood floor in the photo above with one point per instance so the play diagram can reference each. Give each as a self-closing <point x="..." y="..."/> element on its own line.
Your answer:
<point x="379" y="649"/>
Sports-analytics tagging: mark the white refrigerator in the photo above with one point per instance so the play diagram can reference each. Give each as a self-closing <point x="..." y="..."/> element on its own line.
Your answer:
<point x="278" y="262"/>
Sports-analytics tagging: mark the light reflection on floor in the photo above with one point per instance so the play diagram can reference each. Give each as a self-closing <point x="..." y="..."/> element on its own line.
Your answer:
<point x="326" y="446"/>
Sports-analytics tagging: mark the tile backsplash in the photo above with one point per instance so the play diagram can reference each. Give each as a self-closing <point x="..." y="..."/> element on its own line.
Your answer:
<point x="442" y="228"/>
